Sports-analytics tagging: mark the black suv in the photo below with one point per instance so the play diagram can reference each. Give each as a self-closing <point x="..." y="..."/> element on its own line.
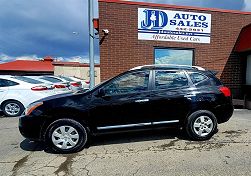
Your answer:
<point x="144" y="97"/>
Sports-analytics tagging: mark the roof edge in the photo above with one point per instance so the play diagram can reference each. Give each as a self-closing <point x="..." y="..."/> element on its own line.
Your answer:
<point x="175" y="6"/>
<point x="73" y="64"/>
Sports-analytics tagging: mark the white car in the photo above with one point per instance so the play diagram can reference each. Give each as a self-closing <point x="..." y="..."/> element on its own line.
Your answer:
<point x="59" y="86"/>
<point x="85" y="83"/>
<point x="17" y="92"/>
<point x="74" y="85"/>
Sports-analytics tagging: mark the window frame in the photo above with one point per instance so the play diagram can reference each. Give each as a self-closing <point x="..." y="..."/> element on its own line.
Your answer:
<point x="149" y="86"/>
<point x="174" y="48"/>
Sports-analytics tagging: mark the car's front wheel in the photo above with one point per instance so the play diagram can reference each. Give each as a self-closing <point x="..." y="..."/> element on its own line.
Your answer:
<point x="66" y="136"/>
<point x="201" y="125"/>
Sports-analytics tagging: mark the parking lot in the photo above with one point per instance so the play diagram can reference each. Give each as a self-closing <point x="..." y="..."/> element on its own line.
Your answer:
<point x="159" y="152"/>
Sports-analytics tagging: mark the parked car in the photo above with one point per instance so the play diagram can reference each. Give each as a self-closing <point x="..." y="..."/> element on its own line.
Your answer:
<point x="85" y="83"/>
<point x="17" y="92"/>
<point x="77" y="83"/>
<point x="59" y="86"/>
<point x="145" y="97"/>
<point x="73" y="85"/>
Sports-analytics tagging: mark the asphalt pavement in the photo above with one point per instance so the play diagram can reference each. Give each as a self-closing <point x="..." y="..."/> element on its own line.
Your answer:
<point x="155" y="152"/>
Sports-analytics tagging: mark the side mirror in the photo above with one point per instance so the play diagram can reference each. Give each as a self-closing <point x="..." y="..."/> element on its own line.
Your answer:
<point x="100" y="93"/>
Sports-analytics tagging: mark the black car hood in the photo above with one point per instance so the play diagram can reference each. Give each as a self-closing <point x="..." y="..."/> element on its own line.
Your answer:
<point x="64" y="95"/>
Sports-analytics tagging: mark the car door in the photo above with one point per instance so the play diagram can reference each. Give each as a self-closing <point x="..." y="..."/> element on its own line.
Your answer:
<point x="169" y="98"/>
<point x="4" y="87"/>
<point x="125" y="102"/>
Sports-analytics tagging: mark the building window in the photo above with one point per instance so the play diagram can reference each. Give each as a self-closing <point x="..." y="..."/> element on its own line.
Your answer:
<point x="173" y="56"/>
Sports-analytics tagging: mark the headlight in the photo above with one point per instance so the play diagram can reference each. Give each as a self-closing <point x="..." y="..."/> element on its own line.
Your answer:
<point x="32" y="107"/>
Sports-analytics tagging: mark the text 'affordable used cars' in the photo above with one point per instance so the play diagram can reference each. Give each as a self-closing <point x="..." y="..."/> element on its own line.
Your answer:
<point x="143" y="97"/>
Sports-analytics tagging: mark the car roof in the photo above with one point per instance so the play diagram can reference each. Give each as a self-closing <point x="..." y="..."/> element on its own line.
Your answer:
<point x="168" y="66"/>
<point x="6" y="76"/>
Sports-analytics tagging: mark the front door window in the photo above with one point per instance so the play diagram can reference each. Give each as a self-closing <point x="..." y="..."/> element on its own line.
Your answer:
<point x="129" y="83"/>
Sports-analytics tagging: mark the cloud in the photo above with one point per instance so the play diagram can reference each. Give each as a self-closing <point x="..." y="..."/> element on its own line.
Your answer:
<point x="181" y="57"/>
<point x="45" y="27"/>
<point x="222" y="4"/>
<point x="247" y="5"/>
<point x="82" y="59"/>
<point x="5" y="58"/>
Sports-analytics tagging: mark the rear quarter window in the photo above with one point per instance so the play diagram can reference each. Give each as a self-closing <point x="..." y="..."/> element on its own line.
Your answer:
<point x="197" y="77"/>
<point x="7" y="83"/>
<point x="200" y="79"/>
<point x="27" y="80"/>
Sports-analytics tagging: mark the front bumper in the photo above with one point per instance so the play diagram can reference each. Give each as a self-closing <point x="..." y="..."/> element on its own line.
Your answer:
<point x="30" y="127"/>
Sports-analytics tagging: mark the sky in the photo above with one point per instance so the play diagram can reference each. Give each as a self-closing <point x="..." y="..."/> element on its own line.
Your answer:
<point x="59" y="28"/>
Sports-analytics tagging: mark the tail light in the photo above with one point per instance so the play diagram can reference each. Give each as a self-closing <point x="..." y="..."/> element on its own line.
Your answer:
<point x="75" y="84"/>
<point x="39" y="88"/>
<point x="226" y="91"/>
<point x="87" y="82"/>
<point x="59" y="86"/>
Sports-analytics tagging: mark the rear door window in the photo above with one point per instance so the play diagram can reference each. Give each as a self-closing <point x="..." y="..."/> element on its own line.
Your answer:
<point x="170" y="79"/>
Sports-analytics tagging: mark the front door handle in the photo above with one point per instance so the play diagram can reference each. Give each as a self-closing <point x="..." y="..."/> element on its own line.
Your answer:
<point x="141" y="100"/>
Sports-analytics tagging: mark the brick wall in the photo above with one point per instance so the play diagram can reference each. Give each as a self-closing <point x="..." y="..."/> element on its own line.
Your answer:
<point x="121" y="49"/>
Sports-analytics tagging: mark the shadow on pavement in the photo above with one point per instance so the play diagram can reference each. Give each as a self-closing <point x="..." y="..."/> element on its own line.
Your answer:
<point x="28" y="145"/>
<point x="136" y="136"/>
<point x="114" y="138"/>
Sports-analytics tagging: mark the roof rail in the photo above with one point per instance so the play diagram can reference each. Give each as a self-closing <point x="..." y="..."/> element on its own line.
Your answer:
<point x="173" y="66"/>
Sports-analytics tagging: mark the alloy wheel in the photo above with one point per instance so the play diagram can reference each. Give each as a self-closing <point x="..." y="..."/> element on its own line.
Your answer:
<point x="12" y="109"/>
<point x="203" y="126"/>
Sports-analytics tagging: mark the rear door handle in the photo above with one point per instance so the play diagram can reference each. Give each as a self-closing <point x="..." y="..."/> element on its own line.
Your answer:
<point x="141" y="100"/>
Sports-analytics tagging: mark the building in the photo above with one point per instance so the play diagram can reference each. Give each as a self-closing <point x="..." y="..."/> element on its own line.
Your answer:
<point x="76" y="69"/>
<point x="47" y="66"/>
<point x="28" y="67"/>
<point x="146" y="33"/>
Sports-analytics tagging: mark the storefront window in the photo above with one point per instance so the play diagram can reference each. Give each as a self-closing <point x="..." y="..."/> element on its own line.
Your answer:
<point x="173" y="56"/>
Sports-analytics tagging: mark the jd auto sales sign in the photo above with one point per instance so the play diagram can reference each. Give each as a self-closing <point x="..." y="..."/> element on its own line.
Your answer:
<point x="177" y="26"/>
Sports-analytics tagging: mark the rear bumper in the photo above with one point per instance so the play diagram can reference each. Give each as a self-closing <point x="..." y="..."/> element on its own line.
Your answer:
<point x="224" y="112"/>
<point x="30" y="127"/>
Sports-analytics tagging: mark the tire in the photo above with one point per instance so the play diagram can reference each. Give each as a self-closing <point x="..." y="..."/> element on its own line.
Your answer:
<point x="59" y="139"/>
<point x="201" y="125"/>
<point x="12" y="108"/>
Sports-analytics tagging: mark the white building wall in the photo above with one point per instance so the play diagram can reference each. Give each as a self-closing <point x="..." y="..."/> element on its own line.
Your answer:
<point x="79" y="72"/>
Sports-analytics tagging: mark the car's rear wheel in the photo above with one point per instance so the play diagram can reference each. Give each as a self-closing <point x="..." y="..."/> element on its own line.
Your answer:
<point x="12" y="108"/>
<point x="201" y="125"/>
<point x="66" y="136"/>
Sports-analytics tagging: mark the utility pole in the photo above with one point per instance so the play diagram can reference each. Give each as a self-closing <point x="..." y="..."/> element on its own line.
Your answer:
<point x="91" y="44"/>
